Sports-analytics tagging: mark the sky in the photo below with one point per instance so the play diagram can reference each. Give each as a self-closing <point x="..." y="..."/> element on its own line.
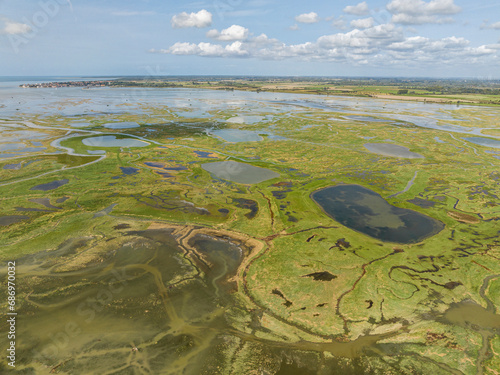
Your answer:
<point x="372" y="38"/>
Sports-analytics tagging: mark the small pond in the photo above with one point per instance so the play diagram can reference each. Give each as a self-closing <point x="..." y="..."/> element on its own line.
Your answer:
<point x="235" y="135"/>
<point x="121" y="125"/>
<point x="245" y="119"/>
<point x="12" y="219"/>
<point x="239" y="172"/>
<point x="388" y="149"/>
<point x="50" y="185"/>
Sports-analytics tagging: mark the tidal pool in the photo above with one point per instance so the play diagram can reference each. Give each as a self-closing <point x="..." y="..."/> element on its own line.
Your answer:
<point x="12" y="219"/>
<point x="468" y="313"/>
<point x="15" y="166"/>
<point x="487" y="142"/>
<point x="50" y="185"/>
<point x="121" y="125"/>
<point x="159" y="300"/>
<point x="365" y="211"/>
<point x="112" y="141"/>
<point x="239" y="172"/>
<point x="11" y="146"/>
<point x="205" y="154"/>
<point x="245" y="119"/>
<point x="236" y="135"/>
<point x="366" y="118"/>
<point x="388" y="149"/>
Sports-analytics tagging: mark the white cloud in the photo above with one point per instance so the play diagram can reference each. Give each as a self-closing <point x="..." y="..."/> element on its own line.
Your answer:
<point x="201" y="19"/>
<point x="205" y="49"/>
<point x="294" y="27"/>
<point x="307" y="18"/>
<point x="360" y="9"/>
<point x="417" y="12"/>
<point x="486" y="25"/>
<point x="234" y="32"/>
<point x="14" y="28"/>
<point x="379" y="45"/>
<point x="362" y="23"/>
<point x="339" y="23"/>
<point x="263" y="39"/>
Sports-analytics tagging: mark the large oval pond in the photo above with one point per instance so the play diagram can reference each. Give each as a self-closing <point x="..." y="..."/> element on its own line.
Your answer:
<point x="367" y="212"/>
<point x="112" y="141"/>
<point x="239" y="172"/>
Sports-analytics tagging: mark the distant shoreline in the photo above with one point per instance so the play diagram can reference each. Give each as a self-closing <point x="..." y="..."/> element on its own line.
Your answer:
<point x="429" y="91"/>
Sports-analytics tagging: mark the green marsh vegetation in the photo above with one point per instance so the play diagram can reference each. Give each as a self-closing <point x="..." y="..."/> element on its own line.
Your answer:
<point x="218" y="276"/>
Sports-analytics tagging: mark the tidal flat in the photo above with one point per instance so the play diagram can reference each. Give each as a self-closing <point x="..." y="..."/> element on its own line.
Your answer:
<point x="173" y="251"/>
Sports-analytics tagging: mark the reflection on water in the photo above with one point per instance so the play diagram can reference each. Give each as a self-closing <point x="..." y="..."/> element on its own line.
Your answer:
<point x="367" y="212"/>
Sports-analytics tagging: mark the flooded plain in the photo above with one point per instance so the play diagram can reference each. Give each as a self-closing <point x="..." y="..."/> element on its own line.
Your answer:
<point x="156" y="301"/>
<point x="166" y="300"/>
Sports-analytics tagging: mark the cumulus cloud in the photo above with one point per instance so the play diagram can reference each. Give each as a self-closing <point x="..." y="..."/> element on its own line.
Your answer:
<point x="201" y="19"/>
<point x="205" y="49"/>
<point x="360" y="9"/>
<point x="375" y="45"/>
<point x="362" y="23"/>
<point x="417" y="12"/>
<point x="234" y="32"/>
<point x="339" y="23"/>
<point x="13" y="28"/>
<point x="307" y="18"/>
<point x="487" y="25"/>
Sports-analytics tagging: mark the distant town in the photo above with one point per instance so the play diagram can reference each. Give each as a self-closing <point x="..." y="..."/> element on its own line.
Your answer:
<point x="82" y="84"/>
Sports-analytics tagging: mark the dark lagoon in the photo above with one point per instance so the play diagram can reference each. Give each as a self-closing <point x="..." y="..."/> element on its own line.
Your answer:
<point x="12" y="219"/>
<point x="365" y="211"/>
<point x="50" y="185"/>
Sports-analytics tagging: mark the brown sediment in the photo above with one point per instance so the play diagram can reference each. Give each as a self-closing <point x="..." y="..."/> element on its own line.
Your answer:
<point x="250" y="246"/>
<point x="463" y="218"/>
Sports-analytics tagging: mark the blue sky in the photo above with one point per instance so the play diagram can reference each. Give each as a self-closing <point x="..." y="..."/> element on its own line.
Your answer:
<point x="430" y="38"/>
